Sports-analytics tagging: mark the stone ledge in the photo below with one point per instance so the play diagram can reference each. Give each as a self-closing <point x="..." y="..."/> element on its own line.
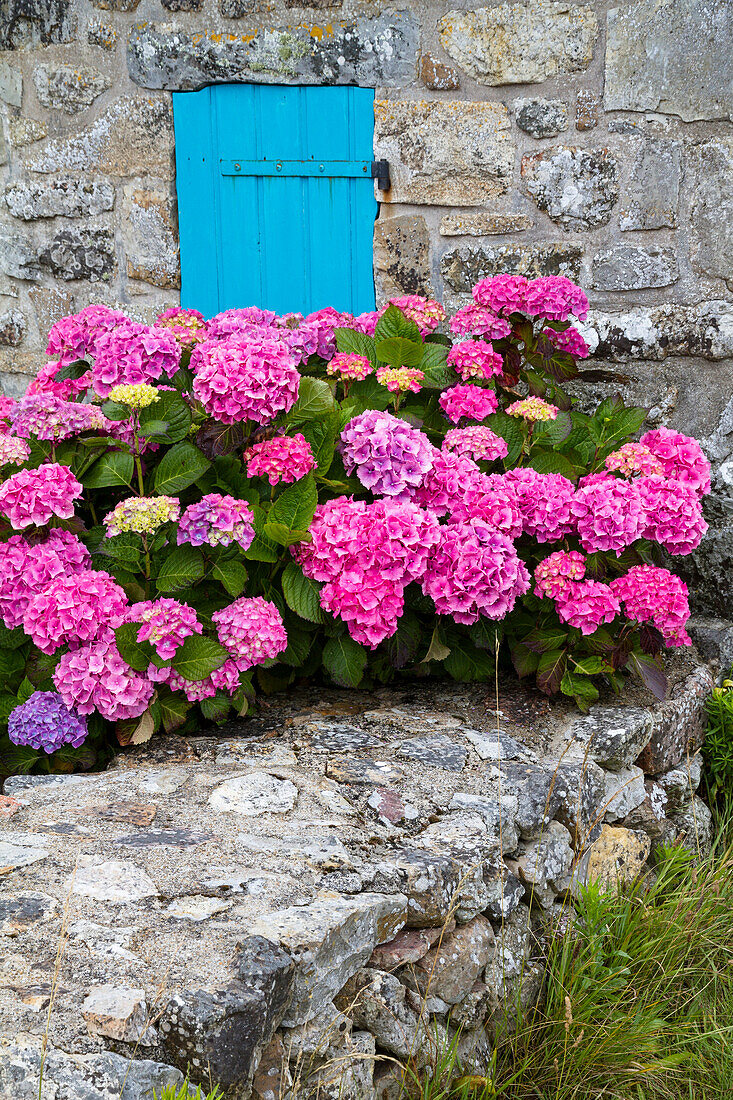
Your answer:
<point x="343" y="877"/>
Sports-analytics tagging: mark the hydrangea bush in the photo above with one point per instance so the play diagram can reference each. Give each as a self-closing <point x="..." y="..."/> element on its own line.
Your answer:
<point x="196" y="510"/>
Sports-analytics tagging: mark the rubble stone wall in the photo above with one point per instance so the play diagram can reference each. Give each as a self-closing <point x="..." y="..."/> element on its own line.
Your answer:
<point x="343" y="884"/>
<point x="588" y="138"/>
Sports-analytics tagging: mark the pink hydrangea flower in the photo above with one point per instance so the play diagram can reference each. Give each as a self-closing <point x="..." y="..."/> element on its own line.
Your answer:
<point x="238" y="322"/>
<point x="633" y="459"/>
<point x="132" y="353"/>
<point x="476" y="442"/>
<point x="502" y="294"/>
<point x="165" y="623"/>
<point x="217" y="520"/>
<point x="475" y="359"/>
<point x="467" y="402"/>
<point x="365" y="322"/>
<point x="445" y="484"/>
<point x="187" y="325"/>
<point x="682" y="457"/>
<point x="252" y="630"/>
<point x="325" y="322"/>
<point x="94" y="677"/>
<point x="283" y="458"/>
<point x="33" y="496"/>
<point x="533" y="409"/>
<point x="672" y="514"/>
<point x="387" y="454"/>
<point x="244" y="379"/>
<point x="570" y="341"/>
<point x="225" y="678"/>
<point x="13" y="452"/>
<point x="299" y="335"/>
<point x="46" y="381"/>
<point x="475" y="320"/>
<point x="400" y="379"/>
<point x="75" y="337"/>
<point x="48" y="417"/>
<point x="650" y="594"/>
<point x="7" y="404"/>
<point x="586" y="605"/>
<point x="545" y="503"/>
<point x="25" y="570"/>
<point x="555" y="297"/>
<point x="609" y="515"/>
<point x="74" y="609"/>
<point x="336" y="534"/>
<point x="474" y="571"/>
<point x="70" y="549"/>
<point x="350" y="367"/>
<point x="554" y="573"/>
<point x="425" y="312"/>
<point x="370" y="605"/>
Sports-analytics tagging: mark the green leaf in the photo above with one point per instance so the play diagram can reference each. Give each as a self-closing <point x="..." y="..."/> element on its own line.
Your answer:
<point x="138" y="655"/>
<point x="291" y="514"/>
<point x="71" y="370"/>
<point x="25" y="690"/>
<point x="299" y="646"/>
<point x="12" y="661"/>
<point x="355" y="343"/>
<point x="398" y="352"/>
<point x="402" y="647"/>
<point x="542" y="641"/>
<point x="181" y="569"/>
<point x="467" y="663"/>
<point x="587" y="666"/>
<point x="550" y="671"/>
<point x="345" y="661"/>
<point x="124" y="548"/>
<point x="172" y="411"/>
<point x="550" y="462"/>
<point x="583" y="690"/>
<point x="321" y="434"/>
<point x="651" y="672"/>
<point x="394" y="323"/>
<point x="233" y="575"/>
<point x="551" y="433"/>
<point x="302" y="594"/>
<point x="173" y="709"/>
<point x="368" y="394"/>
<point x="113" y="468"/>
<point x="115" y="410"/>
<point x="508" y="428"/>
<point x="179" y="467"/>
<point x="315" y="400"/>
<point x="217" y="707"/>
<point x="434" y="357"/>
<point x="261" y="548"/>
<point x="198" y="657"/>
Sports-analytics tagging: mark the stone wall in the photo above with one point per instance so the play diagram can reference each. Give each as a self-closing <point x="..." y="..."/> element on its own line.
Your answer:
<point x="346" y="882"/>
<point x="592" y="139"/>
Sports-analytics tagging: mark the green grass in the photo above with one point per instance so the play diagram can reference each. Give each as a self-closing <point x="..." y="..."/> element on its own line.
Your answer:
<point x="187" y="1092"/>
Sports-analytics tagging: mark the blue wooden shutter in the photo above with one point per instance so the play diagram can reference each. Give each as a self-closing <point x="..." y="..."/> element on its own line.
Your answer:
<point x="288" y="238"/>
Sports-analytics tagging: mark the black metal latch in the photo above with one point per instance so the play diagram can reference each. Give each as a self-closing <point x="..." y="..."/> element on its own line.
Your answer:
<point x="380" y="173"/>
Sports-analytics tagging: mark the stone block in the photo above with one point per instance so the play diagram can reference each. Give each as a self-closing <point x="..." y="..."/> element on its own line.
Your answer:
<point x="132" y="137"/>
<point x="24" y="131"/>
<point x="499" y="814"/>
<point x="329" y="940"/>
<point x="23" y="911"/>
<point x="118" y="1012"/>
<point x="101" y="34"/>
<point x="541" y="118"/>
<point x="624" y="791"/>
<point x="379" y="51"/>
<point x="150" y="237"/>
<point x="401" y="256"/>
<point x="586" y="111"/>
<point x="80" y="1076"/>
<point x="679" y="784"/>
<point x="50" y="304"/>
<point x="444" y="152"/>
<point x="612" y="736"/>
<point x="223" y="1033"/>
<point x="462" y="268"/>
<point x="408" y="946"/>
<point x="255" y="794"/>
<point x="711" y="216"/>
<point x="116" y="5"/>
<point x="379" y="1003"/>
<point x="11" y="84"/>
<point x="581" y="807"/>
<point x="651" y="196"/>
<point x="576" y="188"/>
<point x="25" y="24"/>
<point x="450" y="969"/>
<point x="616" y="858"/>
<point x="438" y="77"/>
<point x="672" y="58"/>
<point x="694" y="828"/>
<point x="626" y="267"/>
<point x="539" y="791"/>
<point x="114" y="881"/>
<point x="12" y="328"/>
<point x="679" y="726"/>
<point x="272" y="1079"/>
<point x="182" y="5"/>
<point x="81" y="254"/>
<point x="18" y="258"/>
<point x="704" y="330"/>
<point x="545" y="865"/>
<point x="469" y="224"/>
<point x="68" y="89"/>
<point x="65" y="197"/>
<point x="520" y="44"/>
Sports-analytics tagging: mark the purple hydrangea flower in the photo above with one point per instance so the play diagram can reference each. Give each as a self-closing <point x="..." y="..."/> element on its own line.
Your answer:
<point x="389" y="456"/>
<point x="217" y="520"/>
<point x="45" y="722"/>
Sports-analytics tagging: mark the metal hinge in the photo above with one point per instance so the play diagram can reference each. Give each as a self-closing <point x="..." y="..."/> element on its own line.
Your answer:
<point x="326" y="169"/>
